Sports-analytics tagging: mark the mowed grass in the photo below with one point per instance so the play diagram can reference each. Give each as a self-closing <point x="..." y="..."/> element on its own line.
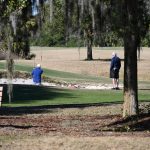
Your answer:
<point x="25" y="95"/>
<point x="60" y="75"/>
<point x="70" y="77"/>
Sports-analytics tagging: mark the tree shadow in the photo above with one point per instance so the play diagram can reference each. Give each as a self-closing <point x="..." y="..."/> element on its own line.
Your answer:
<point x="8" y="111"/>
<point x="17" y="126"/>
<point x="106" y="59"/>
<point x="101" y="59"/>
<point x="27" y="93"/>
<point x="144" y="89"/>
<point x="130" y="124"/>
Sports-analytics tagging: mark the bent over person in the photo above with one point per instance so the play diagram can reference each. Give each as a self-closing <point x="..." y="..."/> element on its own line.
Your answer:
<point x="114" y="70"/>
<point x="36" y="74"/>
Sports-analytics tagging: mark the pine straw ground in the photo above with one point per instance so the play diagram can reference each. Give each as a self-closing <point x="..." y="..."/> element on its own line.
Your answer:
<point x="70" y="128"/>
<point x="75" y="128"/>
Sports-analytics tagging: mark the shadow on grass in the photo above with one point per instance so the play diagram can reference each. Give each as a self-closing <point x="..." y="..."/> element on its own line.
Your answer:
<point x="130" y="124"/>
<point x="17" y="126"/>
<point x="42" y="100"/>
<point x="144" y="89"/>
<point x="107" y="59"/>
<point x="30" y="93"/>
<point x="47" y="108"/>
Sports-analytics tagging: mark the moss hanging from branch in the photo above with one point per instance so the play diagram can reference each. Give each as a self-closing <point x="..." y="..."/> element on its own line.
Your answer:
<point x="9" y="61"/>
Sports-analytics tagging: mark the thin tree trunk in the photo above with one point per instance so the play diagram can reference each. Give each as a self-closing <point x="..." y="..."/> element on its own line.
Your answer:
<point x="130" y="106"/>
<point x="89" y="50"/>
<point x="51" y="10"/>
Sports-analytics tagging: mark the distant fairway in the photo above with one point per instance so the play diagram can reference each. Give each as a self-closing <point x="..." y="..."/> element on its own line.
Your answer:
<point x="73" y="60"/>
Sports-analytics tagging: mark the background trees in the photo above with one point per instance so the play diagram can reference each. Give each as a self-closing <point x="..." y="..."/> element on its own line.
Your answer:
<point x="108" y="35"/>
<point x="52" y="32"/>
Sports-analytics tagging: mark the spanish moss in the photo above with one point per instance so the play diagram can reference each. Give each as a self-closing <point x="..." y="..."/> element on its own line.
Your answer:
<point x="9" y="63"/>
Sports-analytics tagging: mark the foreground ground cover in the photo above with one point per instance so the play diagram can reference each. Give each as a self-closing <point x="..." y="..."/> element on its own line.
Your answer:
<point x="71" y="119"/>
<point x="71" y="128"/>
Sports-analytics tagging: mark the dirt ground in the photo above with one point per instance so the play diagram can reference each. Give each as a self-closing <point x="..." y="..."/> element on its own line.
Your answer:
<point x="82" y="128"/>
<point x="93" y="128"/>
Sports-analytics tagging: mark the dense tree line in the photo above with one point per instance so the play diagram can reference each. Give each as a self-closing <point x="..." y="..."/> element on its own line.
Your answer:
<point x="53" y="32"/>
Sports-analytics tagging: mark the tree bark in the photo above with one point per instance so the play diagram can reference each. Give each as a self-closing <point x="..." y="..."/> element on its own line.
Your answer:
<point x="89" y="50"/>
<point x="130" y="78"/>
<point x="130" y="106"/>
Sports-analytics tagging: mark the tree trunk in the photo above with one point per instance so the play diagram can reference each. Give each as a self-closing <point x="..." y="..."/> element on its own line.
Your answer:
<point x="130" y="78"/>
<point x="89" y="50"/>
<point x="130" y="106"/>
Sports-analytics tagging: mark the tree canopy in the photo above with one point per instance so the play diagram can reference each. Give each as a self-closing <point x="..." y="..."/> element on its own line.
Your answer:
<point x="106" y="18"/>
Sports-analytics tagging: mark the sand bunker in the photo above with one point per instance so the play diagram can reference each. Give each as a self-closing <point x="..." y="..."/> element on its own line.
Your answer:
<point x="93" y="86"/>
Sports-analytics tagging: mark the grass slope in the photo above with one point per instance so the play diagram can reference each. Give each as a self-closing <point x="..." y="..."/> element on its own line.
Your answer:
<point x="39" y="95"/>
<point x="60" y="75"/>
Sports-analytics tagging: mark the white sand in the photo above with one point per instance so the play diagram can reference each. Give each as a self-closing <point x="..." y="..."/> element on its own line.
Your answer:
<point x="93" y="86"/>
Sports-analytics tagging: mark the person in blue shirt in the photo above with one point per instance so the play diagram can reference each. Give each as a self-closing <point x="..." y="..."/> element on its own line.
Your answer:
<point x="36" y="74"/>
<point x="114" y="70"/>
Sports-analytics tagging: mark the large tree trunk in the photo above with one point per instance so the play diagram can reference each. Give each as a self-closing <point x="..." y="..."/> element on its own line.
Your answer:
<point x="130" y="78"/>
<point x="130" y="107"/>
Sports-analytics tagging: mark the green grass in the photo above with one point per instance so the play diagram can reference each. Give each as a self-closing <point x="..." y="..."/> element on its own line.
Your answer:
<point x="39" y="96"/>
<point x="72" y="77"/>
<point x="60" y="75"/>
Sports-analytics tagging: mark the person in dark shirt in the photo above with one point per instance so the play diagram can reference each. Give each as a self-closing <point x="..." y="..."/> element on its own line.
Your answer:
<point x="36" y="74"/>
<point x="114" y="70"/>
